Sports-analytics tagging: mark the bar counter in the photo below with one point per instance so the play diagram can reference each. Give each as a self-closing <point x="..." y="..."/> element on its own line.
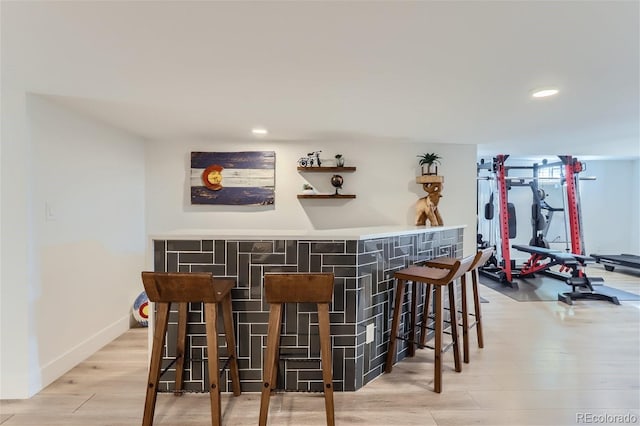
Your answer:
<point x="363" y="261"/>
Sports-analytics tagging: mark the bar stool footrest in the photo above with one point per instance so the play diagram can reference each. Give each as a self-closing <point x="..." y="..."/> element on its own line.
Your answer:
<point x="421" y="346"/>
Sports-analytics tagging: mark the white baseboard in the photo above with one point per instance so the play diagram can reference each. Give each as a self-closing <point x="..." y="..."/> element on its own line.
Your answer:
<point x="74" y="356"/>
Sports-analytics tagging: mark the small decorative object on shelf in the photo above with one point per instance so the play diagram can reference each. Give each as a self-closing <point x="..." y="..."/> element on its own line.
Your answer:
<point x="308" y="189"/>
<point x="330" y="169"/>
<point x="312" y="158"/>
<point x="429" y="160"/>
<point x="337" y="181"/>
<point x="339" y="160"/>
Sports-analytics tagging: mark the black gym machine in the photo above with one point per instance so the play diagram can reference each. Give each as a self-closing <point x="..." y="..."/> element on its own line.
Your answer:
<point x="571" y="263"/>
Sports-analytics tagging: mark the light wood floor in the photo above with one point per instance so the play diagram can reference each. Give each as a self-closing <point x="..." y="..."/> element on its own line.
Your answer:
<point x="544" y="363"/>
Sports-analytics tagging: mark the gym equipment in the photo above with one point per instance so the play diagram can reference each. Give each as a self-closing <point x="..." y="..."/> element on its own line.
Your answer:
<point x="542" y="259"/>
<point x="506" y="225"/>
<point x="541" y="212"/>
<point x="610" y="261"/>
<point x="540" y="220"/>
<point x="567" y="261"/>
<point x="489" y="210"/>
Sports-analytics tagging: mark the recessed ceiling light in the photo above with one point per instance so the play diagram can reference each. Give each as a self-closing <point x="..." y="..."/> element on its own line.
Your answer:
<point x="260" y="131"/>
<point x="543" y="93"/>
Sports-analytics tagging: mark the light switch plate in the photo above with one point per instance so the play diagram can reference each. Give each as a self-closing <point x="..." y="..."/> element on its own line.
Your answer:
<point x="371" y="329"/>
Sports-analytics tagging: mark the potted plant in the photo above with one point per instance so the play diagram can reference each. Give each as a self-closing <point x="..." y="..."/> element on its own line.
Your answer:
<point x="339" y="160"/>
<point x="429" y="159"/>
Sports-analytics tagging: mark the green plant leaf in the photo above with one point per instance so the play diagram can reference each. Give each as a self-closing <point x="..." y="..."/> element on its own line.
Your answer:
<point x="429" y="158"/>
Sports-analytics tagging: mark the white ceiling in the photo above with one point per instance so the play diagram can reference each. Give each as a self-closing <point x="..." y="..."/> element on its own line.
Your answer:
<point x="442" y="72"/>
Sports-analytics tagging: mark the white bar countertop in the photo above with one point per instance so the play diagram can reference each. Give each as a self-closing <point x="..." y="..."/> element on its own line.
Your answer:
<point x="365" y="233"/>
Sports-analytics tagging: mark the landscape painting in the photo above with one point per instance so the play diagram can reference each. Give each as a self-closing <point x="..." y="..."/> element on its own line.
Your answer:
<point x="233" y="178"/>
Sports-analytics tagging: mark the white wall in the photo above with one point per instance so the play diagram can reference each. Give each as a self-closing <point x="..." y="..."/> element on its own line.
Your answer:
<point x="610" y="207"/>
<point x="384" y="184"/>
<point x="85" y="242"/>
<point x="16" y="324"/>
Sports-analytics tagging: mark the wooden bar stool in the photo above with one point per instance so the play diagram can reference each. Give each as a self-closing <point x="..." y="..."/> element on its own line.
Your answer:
<point x="438" y="277"/>
<point x="297" y="288"/>
<point x="164" y="288"/>
<point x="479" y="259"/>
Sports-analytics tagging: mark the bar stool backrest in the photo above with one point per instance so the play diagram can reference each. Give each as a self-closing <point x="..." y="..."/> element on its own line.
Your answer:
<point x="481" y="258"/>
<point x="298" y="288"/>
<point x="169" y="287"/>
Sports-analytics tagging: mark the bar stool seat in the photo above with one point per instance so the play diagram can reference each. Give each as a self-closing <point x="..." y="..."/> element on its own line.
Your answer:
<point x="165" y="288"/>
<point x="438" y="277"/>
<point x="297" y="288"/>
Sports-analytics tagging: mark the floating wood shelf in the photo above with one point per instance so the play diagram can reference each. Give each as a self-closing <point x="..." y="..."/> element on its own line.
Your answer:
<point x="326" y="196"/>
<point x="430" y="179"/>
<point x="327" y="169"/>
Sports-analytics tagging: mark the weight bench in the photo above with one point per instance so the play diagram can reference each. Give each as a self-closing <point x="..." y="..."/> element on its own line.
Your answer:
<point x="541" y="259"/>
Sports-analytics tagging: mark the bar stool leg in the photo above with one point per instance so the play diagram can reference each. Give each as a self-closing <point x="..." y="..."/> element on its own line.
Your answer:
<point x="413" y="319"/>
<point x="325" y="353"/>
<point x="391" y="353"/>
<point x="227" y="317"/>
<point x="276" y="360"/>
<point x="425" y="315"/>
<point x="211" y="317"/>
<point x="162" y="319"/>
<point x="476" y="306"/>
<point x="465" y="319"/>
<point x="454" y="327"/>
<point x="183" y="309"/>
<point x="274" y="372"/>
<point x="273" y="341"/>
<point x="437" y="369"/>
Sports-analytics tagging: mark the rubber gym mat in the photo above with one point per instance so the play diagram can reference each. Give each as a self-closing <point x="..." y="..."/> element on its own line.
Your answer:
<point x="545" y="289"/>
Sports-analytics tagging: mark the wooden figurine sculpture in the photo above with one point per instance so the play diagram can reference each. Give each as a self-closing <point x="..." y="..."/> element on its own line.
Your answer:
<point x="427" y="207"/>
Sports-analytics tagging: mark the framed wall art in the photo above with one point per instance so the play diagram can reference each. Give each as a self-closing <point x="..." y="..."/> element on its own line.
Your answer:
<point x="233" y="178"/>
